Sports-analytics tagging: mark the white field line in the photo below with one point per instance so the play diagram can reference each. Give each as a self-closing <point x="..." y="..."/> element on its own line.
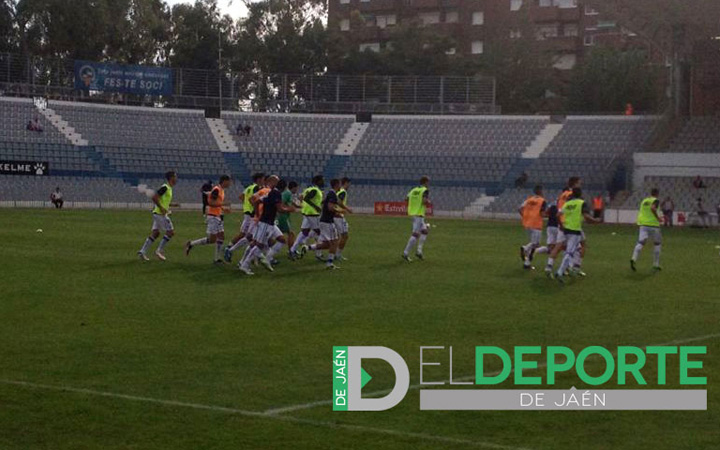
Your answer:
<point x="310" y="405"/>
<point x="263" y="415"/>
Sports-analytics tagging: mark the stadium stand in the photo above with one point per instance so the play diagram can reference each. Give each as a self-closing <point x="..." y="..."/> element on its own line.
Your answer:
<point x="681" y="190"/>
<point x="466" y="157"/>
<point x="450" y="136"/>
<point x="151" y="128"/>
<point x="74" y="189"/>
<point x="63" y="158"/>
<point x="589" y="147"/>
<point x="14" y="116"/>
<point x="699" y="135"/>
<point x="274" y="133"/>
<point x="143" y="162"/>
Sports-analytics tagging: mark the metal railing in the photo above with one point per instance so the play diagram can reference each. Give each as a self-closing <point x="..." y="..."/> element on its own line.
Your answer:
<point x="198" y="88"/>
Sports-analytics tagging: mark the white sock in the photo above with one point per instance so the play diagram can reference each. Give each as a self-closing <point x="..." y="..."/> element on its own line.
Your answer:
<point x="251" y="254"/>
<point x="577" y="260"/>
<point x="245" y="256"/>
<point x="550" y="264"/>
<point x="218" y="250"/>
<point x="410" y="244"/>
<point x="636" y="251"/>
<point x="146" y="246"/>
<point x="421" y="242"/>
<point x="163" y="243"/>
<point x="196" y="242"/>
<point x="274" y="250"/>
<point x="656" y="255"/>
<point x="330" y="259"/>
<point x="299" y="241"/>
<point x="242" y="242"/>
<point x="566" y="262"/>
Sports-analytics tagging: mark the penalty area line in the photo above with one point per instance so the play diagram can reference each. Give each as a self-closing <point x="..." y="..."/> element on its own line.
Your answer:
<point x="265" y="415"/>
<point x="310" y="405"/>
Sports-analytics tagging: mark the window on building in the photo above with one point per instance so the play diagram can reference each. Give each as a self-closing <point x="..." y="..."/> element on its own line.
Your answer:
<point x="571" y="29"/>
<point x="369" y="20"/>
<point x="515" y="5"/>
<point x="565" y="61"/>
<point x="565" y="4"/>
<point x="451" y="51"/>
<point x="344" y="2"/>
<point x="515" y="34"/>
<point x="452" y="17"/>
<point x="477" y="47"/>
<point x="545" y="3"/>
<point x="590" y="40"/>
<point x="386" y="21"/>
<point x="478" y="18"/>
<point x="372" y="46"/>
<point x="429" y="18"/>
<point x="547" y="31"/>
<point x="345" y="25"/>
<point x="365" y="1"/>
<point x="590" y="11"/>
<point x="606" y="24"/>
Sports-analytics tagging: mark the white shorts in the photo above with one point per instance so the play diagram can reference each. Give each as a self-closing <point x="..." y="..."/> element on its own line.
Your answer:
<point x="552" y="235"/>
<point x="419" y="225"/>
<point x="650" y="232"/>
<point x="248" y="224"/>
<point x="573" y="243"/>
<point x="535" y="236"/>
<point x="560" y="238"/>
<point x="265" y="233"/>
<point x="310" y="223"/>
<point x="328" y="232"/>
<point x="215" y="225"/>
<point x="341" y="225"/>
<point x="162" y="223"/>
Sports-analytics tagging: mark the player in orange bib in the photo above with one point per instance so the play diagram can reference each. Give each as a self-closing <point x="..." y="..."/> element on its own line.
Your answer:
<point x="215" y="233"/>
<point x="533" y="211"/>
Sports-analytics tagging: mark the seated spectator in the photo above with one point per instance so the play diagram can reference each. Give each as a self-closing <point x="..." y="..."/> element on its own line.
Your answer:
<point x="248" y="130"/>
<point x="521" y="180"/>
<point x="668" y="210"/>
<point x="34" y="125"/>
<point x="57" y="198"/>
<point x="239" y="130"/>
<point x="698" y="183"/>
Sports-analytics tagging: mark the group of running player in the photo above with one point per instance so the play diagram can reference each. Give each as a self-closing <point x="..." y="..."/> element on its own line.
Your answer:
<point x="565" y="233"/>
<point x="267" y="204"/>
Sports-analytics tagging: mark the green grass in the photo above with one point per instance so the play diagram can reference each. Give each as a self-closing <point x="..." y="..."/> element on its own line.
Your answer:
<point x="79" y="310"/>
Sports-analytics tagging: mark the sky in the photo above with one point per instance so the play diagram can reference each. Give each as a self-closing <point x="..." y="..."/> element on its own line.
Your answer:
<point x="236" y="8"/>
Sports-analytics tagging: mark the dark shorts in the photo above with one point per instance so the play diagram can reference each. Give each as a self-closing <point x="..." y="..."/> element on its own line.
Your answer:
<point x="284" y="224"/>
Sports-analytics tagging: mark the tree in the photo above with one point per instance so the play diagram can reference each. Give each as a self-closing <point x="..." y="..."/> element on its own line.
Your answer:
<point x="197" y="31"/>
<point x="608" y="79"/>
<point x="141" y="36"/>
<point x="522" y="67"/>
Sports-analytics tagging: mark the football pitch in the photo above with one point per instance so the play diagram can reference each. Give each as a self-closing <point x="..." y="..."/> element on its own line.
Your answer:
<point x="101" y="351"/>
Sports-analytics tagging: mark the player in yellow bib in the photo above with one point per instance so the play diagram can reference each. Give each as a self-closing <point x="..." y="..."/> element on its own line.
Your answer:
<point x="418" y="200"/>
<point x="312" y="198"/>
<point x="574" y="212"/>
<point x="161" y="220"/>
<point x="649" y="223"/>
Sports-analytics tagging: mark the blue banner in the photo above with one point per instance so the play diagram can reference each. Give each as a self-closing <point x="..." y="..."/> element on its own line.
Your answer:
<point x="141" y="80"/>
